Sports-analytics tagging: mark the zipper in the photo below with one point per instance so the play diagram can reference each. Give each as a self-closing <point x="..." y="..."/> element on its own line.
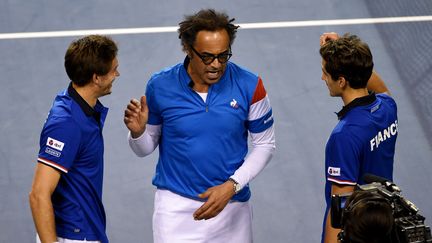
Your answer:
<point x="208" y="98"/>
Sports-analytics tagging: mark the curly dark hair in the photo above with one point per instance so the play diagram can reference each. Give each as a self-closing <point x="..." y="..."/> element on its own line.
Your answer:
<point x="348" y="57"/>
<point x="205" y="19"/>
<point x="89" y="55"/>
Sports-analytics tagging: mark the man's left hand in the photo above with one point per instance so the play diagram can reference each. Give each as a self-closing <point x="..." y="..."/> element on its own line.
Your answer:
<point x="217" y="198"/>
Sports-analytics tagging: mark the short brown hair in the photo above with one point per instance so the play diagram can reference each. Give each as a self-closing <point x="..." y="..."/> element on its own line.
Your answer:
<point x="348" y="57"/>
<point x="89" y="55"/>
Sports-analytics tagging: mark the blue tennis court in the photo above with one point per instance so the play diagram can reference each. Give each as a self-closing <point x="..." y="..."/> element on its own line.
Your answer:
<point x="287" y="197"/>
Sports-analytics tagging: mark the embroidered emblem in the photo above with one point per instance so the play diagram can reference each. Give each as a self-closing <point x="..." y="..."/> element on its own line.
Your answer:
<point x="234" y="104"/>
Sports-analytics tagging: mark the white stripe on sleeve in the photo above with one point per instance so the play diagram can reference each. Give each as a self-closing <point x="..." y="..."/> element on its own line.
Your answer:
<point x="52" y="164"/>
<point x="259" y="109"/>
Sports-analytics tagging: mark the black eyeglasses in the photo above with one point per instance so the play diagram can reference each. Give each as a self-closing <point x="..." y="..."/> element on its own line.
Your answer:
<point x="209" y="58"/>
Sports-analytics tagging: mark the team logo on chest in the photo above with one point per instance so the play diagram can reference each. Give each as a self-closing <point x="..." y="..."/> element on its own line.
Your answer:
<point x="234" y="104"/>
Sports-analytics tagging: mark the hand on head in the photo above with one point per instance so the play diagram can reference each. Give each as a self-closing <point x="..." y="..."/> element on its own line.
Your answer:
<point x="328" y="36"/>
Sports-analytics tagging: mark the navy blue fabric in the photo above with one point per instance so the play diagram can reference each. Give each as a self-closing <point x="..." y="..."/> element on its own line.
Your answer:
<point x="72" y="142"/>
<point x="362" y="142"/>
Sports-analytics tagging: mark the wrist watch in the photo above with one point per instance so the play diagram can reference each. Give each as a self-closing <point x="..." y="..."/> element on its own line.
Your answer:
<point x="237" y="187"/>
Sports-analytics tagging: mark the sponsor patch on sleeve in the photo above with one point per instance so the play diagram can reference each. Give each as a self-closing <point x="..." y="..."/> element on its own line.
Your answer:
<point x="333" y="171"/>
<point x="52" y="152"/>
<point x="55" y="144"/>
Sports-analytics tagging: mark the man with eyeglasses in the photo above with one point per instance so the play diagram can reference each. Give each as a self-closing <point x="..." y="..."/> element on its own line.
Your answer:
<point x="200" y="113"/>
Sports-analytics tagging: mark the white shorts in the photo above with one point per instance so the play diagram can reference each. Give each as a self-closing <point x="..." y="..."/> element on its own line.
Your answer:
<point x="173" y="221"/>
<point x="62" y="240"/>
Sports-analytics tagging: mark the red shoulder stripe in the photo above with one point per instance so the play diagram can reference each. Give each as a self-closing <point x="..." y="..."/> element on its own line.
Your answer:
<point x="260" y="92"/>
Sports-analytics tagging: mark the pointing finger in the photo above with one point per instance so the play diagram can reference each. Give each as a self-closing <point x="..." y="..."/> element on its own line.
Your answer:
<point x="143" y="103"/>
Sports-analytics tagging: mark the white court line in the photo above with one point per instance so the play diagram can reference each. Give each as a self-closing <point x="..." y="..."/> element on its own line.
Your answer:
<point x="287" y="24"/>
